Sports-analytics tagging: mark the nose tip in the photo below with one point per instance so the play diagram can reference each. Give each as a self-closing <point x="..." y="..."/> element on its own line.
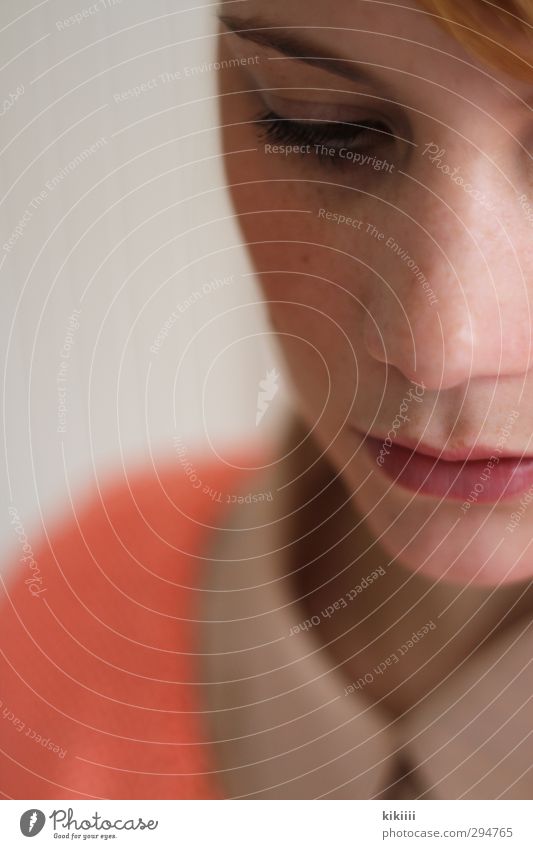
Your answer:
<point x="425" y="352"/>
<point x="452" y="361"/>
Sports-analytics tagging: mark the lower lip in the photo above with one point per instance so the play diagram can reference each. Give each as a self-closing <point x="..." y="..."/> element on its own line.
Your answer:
<point x="471" y="480"/>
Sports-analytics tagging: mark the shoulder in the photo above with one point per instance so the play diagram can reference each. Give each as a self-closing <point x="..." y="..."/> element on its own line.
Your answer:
<point x="97" y="642"/>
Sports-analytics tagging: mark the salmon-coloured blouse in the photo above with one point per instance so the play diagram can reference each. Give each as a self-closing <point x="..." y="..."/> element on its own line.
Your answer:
<point x="97" y="645"/>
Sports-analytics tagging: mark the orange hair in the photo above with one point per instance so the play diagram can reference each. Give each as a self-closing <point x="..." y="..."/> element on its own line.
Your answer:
<point x="499" y="31"/>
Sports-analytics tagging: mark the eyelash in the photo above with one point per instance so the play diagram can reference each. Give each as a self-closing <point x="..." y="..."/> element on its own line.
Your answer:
<point x="356" y="137"/>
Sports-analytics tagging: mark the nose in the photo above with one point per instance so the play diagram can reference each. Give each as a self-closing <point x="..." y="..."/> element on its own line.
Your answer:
<point x="452" y="302"/>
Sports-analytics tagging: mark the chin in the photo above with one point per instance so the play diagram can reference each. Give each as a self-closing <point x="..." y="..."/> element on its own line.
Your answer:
<point x="434" y="539"/>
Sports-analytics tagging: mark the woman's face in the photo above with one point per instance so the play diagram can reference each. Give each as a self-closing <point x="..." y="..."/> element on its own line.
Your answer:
<point x="382" y="177"/>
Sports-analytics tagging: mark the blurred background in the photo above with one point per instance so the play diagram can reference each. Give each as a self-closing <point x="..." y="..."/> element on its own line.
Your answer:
<point x="129" y="314"/>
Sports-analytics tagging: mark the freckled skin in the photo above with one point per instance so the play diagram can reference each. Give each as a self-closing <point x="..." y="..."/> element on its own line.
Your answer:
<point x="355" y="324"/>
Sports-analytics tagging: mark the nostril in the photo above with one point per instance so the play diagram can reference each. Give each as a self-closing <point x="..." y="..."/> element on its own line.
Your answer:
<point x="375" y="341"/>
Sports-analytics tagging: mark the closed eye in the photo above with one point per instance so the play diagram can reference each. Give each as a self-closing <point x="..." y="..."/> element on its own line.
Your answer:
<point x="326" y="138"/>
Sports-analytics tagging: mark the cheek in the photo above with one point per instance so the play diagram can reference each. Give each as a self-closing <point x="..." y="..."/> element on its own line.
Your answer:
<point x="288" y="223"/>
<point x="281" y="205"/>
<point x="315" y="330"/>
<point x="338" y="273"/>
<point x="317" y="278"/>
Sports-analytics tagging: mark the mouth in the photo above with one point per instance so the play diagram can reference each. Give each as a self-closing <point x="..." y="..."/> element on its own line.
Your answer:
<point x="480" y="476"/>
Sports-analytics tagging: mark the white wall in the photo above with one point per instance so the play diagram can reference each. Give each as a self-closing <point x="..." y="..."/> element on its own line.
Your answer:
<point x="128" y="235"/>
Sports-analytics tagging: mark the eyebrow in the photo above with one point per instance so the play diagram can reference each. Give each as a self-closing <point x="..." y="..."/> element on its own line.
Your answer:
<point x="268" y="35"/>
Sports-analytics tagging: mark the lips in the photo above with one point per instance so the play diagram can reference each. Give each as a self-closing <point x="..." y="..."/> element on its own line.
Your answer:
<point x="484" y="480"/>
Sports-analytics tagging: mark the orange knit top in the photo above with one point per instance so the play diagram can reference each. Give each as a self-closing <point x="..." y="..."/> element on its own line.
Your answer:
<point x="99" y="693"/>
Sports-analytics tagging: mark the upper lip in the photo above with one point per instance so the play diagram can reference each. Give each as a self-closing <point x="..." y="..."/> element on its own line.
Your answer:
<point x="459" y="454"/>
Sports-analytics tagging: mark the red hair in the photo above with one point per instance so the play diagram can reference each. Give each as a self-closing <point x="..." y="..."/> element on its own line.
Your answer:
<point x="499" y="31"/>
